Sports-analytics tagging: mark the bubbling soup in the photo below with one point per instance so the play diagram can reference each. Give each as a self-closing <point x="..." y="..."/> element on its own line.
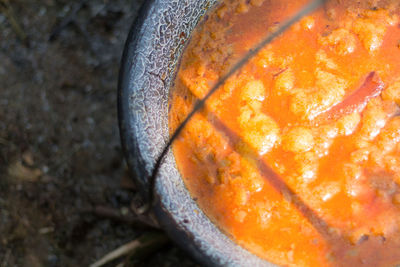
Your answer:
<point x="297" y="156"/>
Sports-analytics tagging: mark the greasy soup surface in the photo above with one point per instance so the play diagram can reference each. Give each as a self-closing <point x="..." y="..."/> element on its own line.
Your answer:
<point x="297" y="156"/>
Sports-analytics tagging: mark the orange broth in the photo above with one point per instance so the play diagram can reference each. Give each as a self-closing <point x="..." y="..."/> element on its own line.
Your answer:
<point x="297" y="156"/>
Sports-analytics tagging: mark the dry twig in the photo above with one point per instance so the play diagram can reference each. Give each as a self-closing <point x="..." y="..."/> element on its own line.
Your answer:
<point x="145" y="244"/>
<point x="137" y="221"/>
<point x="6" y="9"/>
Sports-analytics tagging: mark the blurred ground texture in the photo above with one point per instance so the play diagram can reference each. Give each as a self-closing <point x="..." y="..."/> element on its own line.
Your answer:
<point x="60" y="152"/>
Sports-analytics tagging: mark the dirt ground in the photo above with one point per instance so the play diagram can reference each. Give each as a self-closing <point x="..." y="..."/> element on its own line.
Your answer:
<point x="60" y="153"/>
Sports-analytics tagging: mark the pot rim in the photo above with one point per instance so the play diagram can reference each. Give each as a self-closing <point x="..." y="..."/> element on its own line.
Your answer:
<point x="219" y="252"/>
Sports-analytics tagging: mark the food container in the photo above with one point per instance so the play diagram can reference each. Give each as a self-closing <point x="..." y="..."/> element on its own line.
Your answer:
<point x="149" y="65"/>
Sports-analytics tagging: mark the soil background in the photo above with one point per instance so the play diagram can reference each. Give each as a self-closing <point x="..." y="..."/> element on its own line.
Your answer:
<point x="60" y="152"/>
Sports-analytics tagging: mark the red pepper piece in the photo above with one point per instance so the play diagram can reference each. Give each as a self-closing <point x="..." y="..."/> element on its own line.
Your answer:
<point x="356" y="102"/>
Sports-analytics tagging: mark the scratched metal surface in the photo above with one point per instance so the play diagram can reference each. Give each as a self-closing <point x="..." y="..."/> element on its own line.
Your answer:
<point x="151" y="57"/>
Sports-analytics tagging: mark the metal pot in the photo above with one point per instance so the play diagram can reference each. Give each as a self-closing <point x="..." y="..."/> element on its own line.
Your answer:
<point x="149" y="64"/>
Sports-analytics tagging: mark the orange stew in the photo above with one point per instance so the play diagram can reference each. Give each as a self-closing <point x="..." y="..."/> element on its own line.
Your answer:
<point x="297" y="156"/>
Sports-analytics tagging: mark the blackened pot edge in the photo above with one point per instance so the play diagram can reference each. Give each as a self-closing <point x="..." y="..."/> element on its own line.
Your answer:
<point x="149" y="62"/>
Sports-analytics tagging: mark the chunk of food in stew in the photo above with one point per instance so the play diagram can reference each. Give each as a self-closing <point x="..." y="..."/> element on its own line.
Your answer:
<point x="297" y="156"/>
